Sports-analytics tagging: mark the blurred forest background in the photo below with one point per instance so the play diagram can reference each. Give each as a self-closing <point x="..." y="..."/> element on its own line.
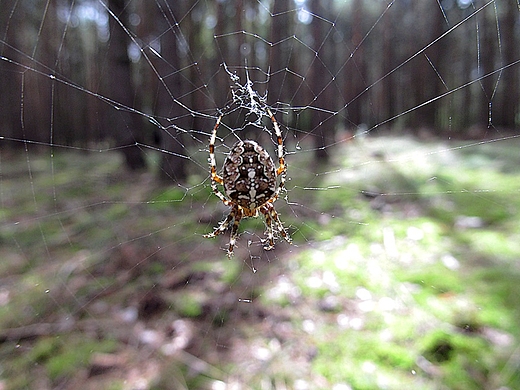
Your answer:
<point x="158" y="61"/>
<point x="401" y="123"/>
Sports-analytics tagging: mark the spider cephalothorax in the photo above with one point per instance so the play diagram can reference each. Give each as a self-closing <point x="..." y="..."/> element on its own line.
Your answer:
<point x="249" y="178"/>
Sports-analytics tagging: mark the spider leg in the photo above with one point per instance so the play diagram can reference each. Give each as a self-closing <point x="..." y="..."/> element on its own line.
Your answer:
<point x="220" y="195"/>
<point x="273" y="223"/>
<point x="215" y="178"/>
<point x="269" y="242"/>
<point x="282" y="168"/>
<point x="235" y="214"/>
<point x="222" y="226"/>
<point x="280" y="227"/>
<point x="238" y="214"/>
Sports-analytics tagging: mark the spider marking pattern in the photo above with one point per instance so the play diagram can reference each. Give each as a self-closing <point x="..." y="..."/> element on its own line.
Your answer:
<point x="249" y="180"/>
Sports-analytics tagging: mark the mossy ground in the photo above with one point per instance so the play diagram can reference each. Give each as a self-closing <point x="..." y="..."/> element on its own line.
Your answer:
<point x="403" y="274"/>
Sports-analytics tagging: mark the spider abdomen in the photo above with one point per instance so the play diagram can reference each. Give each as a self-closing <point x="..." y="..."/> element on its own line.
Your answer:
<point x="249" y="175"/>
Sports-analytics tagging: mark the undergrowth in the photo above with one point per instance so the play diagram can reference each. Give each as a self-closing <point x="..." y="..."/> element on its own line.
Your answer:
<point x="403" y="274"/>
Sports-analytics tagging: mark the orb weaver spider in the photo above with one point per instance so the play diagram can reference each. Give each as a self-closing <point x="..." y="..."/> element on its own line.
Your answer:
<point x="249" y="179"/>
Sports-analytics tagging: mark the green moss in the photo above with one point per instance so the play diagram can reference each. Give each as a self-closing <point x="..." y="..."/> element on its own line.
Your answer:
<point x="75" y="354"/>
<point x="413" y="307"/>
<point x="187" y="304"/>
<point x="61" y="356"/>
<point x="168" y="198"/>
<point x="491" y="243"/>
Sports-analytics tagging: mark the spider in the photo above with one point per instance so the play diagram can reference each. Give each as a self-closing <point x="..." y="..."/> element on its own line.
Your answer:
<point x="249" y="180"/>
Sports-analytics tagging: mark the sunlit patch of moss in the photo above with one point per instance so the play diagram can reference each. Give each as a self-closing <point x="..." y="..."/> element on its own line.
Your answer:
<point x="116" y="211"/>
<point x="167" y="198"/>
<point x="496" y="291"/>
<point x="29" y="301"/>
<point x="464" y="360"/>
<point x="324" y="270"/>
<point x="433" y="279"/>
<point x="491" y="243"/>
<point x="187" y="304"/>
<point x="481" y="193"/>
<point x="74" y="354"/>
<point x="180" y="376"/>
<point x="230" y="270"/>
<point x="363" y="361"/>
<point x="155" y="269"/>
<point x="115" y="385"/>
<point x="60" y="356"/>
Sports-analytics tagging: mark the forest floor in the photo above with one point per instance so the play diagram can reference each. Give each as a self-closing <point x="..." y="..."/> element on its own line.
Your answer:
<point x="403" y="274"/>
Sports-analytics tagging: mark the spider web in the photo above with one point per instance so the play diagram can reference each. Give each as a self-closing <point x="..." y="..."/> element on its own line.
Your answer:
<point x="113" y="255"/>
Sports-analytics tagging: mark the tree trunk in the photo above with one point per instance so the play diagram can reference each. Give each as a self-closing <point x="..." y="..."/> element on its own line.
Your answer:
<point x="10" y="78"/>
<point x="356" y="67"/>
<point x="488" y="40"/>
<point x="127" y="126"/>
<point x="278" y="86"/>
<point x="426" y="68"/>
<point x="170" y="88"/>
<point x="387" y="106"/>
<point x="320" y="87"/>
<point x="507" y="109"/>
